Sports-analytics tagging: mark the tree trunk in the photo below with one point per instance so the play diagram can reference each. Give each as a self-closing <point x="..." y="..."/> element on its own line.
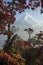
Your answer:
<point x="9" y="36"/>
<point x="9" y="44"/>
<point x="6" y="46"/>
<point x="29" y="39"/>
<point x="29" y="36"/>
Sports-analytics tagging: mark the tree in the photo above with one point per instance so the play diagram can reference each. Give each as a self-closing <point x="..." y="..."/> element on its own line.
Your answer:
<point x="30" y="31"/>
<point x="33" y="56"/>
<point x="38" y="39"/>
<point x="8" y="11"/>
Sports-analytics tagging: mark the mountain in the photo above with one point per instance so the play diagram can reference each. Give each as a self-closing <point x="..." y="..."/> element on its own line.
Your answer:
<point x="26" y="21"/>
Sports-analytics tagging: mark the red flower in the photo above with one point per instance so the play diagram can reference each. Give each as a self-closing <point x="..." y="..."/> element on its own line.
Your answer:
<point x="18" y="63"/>
<point x="42" y="3"/>
<point x="2" y="26"/>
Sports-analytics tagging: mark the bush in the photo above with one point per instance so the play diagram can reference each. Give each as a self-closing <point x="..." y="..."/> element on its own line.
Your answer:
<point x="33" y="56"/>
<point x="15" y="59"/>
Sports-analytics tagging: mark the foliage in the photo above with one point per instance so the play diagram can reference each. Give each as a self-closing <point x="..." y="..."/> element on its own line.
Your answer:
<point x="33" y="56"/>
<point x="30" y="56"/>
<point x="6" y="59"/>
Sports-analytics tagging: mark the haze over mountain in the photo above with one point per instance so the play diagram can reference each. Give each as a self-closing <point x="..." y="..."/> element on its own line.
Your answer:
<point x="26" y="21"/>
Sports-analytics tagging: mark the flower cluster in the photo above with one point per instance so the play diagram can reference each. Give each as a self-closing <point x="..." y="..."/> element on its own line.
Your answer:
<point x="7" y="17"/>
<point x="8" y="60"/>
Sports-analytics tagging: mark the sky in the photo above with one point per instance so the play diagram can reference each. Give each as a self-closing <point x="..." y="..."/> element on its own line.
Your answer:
<point x="24" y="20"/>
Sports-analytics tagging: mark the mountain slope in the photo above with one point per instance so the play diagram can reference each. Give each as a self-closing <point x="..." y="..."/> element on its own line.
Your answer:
<point x="26" y="21"/>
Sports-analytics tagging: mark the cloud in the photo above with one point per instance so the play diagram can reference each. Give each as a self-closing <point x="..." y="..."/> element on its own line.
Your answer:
<point x="30" y="16"/>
